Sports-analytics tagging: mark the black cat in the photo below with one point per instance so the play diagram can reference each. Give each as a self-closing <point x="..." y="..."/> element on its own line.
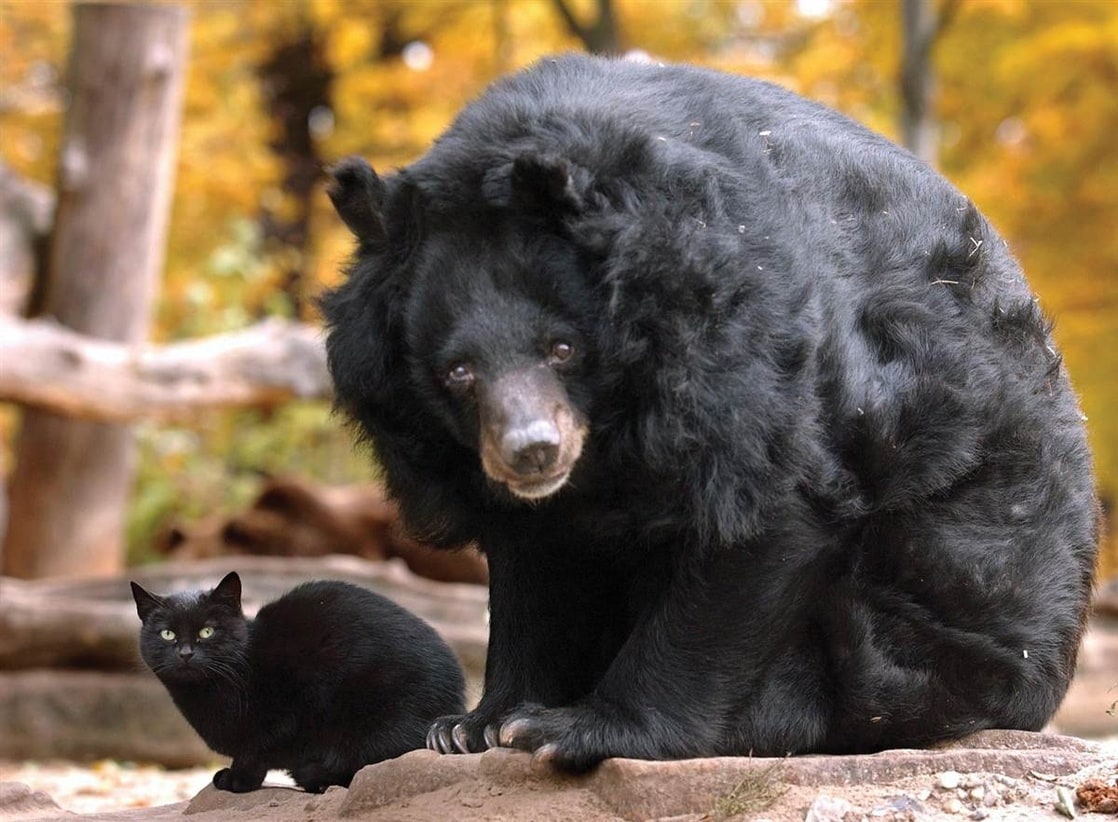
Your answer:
<point x="328" y="678"/>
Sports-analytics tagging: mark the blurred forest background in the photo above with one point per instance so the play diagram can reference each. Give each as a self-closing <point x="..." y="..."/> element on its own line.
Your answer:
<point x="1024" y="120"/>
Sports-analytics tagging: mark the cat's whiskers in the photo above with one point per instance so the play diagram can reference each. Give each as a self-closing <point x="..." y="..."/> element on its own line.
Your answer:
<point x="230" y="672"/>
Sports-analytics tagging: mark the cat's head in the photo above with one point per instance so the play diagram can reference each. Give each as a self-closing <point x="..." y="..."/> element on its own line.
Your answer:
<point x="193" y="635"/>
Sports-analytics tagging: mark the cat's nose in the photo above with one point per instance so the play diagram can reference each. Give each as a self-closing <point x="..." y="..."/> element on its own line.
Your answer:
<point x="186" y="652"/>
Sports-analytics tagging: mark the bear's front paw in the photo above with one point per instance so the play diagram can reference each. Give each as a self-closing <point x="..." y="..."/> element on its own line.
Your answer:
<point x="462" y="733"/>
<point x="573" y="739"/>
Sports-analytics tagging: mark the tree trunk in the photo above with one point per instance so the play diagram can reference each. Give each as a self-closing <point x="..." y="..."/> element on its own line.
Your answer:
<point x="26" y="214"/>
<point x="297" y="82"/>
<point x="921" y="25"/>
<point x="601" y="35"/>
<point x="72" y="479"/>
<point x="918" y="127"/>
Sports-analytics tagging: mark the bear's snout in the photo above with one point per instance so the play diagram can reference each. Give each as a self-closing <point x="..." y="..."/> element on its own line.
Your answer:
<point x="531" y="436"/>
<point x="531" y="448"/>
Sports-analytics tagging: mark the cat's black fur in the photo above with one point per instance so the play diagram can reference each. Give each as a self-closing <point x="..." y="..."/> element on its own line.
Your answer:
<point x="328" y="678"/>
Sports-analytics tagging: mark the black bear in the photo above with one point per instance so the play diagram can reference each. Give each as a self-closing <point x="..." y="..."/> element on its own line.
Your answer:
<point x="753" y="414"/>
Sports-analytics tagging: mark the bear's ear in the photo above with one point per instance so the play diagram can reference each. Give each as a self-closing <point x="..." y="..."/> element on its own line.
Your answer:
<point x="545" y="183"/>
<point x="358" y="196"/>
<point x="538" y="183"/>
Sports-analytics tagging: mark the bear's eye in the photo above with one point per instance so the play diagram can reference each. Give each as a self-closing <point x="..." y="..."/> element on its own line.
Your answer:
<point x="206" y="633"/>
<point x="460" y="375"/>
<point x="167" y="634"/>
<point x="561" y="351"/>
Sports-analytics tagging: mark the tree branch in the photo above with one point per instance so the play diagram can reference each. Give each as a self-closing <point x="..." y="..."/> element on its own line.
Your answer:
<point x="45" y="365"/>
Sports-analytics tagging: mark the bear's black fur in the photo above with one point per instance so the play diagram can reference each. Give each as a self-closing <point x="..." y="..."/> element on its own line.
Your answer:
<point x="753" y="414"/>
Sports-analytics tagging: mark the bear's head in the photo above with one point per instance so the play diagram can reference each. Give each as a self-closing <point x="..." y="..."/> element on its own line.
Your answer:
<point x="463" y="331"/>
<point x="570" y="314"/>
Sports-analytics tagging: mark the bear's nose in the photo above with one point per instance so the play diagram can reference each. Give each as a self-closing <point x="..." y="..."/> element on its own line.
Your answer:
<point x="531" y="449"/>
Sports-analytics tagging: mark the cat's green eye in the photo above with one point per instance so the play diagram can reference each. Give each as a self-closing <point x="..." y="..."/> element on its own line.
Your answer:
<point x="167" y="634"/>
<point x="206" y="633"/>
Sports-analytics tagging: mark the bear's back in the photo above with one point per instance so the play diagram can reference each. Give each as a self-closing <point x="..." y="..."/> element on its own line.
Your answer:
<point x="560" y="103"/>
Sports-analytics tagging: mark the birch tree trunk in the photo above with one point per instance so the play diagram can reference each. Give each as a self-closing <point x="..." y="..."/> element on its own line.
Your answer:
<point x="72" y="479"/>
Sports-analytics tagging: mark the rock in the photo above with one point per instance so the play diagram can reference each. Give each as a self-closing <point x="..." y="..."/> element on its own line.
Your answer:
<point x="260" y="801"/>
<point x="17" y="801"/>
<point x="898" y="807"/>
<point x="504" y="784"/>
<point x="1018" y="741"/>
<point x="953" y="805"/>
<point x="412" y="774"/>
<point x="827" y="809"/>
<point x="948" y="780"/>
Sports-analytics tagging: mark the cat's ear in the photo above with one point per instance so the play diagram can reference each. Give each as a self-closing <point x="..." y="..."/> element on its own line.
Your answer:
<point x="228" y="591"/>
<point x="146" y="602"/>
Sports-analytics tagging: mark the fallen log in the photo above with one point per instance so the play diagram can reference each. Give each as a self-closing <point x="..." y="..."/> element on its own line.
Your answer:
<point x="91" y="622"/>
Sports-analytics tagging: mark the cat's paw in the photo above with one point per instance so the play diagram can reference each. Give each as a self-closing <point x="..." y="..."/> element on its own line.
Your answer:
<point x="316" y="777"/>
<point x="462" y="733"/>
<point x="228" y="779"/>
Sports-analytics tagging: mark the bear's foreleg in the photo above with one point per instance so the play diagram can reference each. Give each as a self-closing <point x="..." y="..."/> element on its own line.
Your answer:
<point x="546" y="641"/>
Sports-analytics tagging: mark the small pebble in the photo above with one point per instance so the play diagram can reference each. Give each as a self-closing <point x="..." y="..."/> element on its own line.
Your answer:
<point x="949" y="780"/>
<point x="828" y="809"/>
<point x="978" y="793"/>
<point x="924" y="795"/>
<point x="953" y="805"/>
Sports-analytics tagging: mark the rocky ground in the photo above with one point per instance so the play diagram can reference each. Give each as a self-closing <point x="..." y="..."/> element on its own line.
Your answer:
<point x="998" y="776"/>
